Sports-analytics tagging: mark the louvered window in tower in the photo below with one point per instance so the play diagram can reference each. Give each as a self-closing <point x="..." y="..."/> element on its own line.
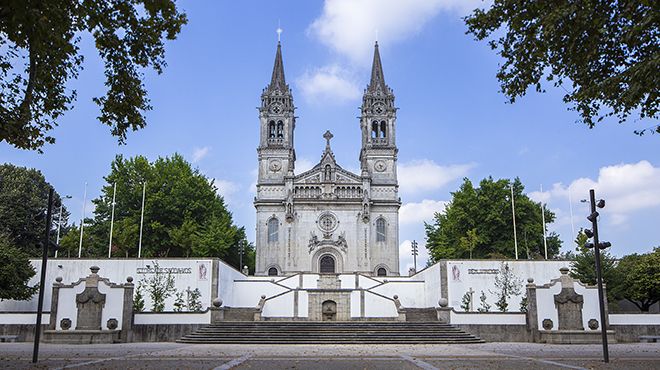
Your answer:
<point x="380" y="230"/>
<point x="271" y="129"/>
<point x="280" y="129"/>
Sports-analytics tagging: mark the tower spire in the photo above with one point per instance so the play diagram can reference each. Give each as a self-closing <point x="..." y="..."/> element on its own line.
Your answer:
<point x="377" y="81"/>
<point x="277" y="81"/>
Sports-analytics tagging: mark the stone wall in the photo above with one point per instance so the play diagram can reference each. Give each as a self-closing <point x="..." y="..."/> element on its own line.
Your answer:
<point x="162" y="332"/>
<point x="631" y="333"/>
<point x="499" y="333"/>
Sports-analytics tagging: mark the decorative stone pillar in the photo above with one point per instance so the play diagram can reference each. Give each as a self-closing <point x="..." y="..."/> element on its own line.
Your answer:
<point x="444" y="312"/>
<point x="532" y="315"/>
<point x="127" y="311"/>
<point x="217" y="311"/>
<point x="54" y="302"/>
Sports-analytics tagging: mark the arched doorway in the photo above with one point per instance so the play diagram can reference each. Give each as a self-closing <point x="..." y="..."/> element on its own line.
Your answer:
<point x="272" y="271"/>
<point x="327" y="264"/>
<point x="329" y="310"/>
<point x="381" y="272"/>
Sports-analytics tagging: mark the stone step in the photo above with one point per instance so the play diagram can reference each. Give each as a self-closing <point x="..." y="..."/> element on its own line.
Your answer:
<point x="299" y="332"/>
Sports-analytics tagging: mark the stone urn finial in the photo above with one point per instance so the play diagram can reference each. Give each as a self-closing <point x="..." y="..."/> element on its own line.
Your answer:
<point x="443" y="302"/>
<point x="564" y="270"/>
<point x="95" y="269"/>
<point x="217" y="302"/>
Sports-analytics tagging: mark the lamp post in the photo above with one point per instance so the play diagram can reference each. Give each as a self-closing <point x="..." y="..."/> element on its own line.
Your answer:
<point x="597" y="246"/>
<point x="144" y="191"/>
<point x="414" y="249"/>
<point x="42" y="284"/>
<point x="515" y="235"/>
<point x="59" y="222"/>
<point x="241" y="247"/>
<point x="545" y="241"/>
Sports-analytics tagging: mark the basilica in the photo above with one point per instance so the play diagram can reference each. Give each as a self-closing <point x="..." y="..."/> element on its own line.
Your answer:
<point x="327" y="219"/>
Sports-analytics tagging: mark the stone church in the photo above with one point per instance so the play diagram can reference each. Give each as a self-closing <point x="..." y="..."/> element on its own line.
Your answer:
<point x="327" y="219"/>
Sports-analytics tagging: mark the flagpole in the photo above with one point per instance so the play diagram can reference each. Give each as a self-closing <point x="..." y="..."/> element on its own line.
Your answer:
<point x="513" y="211"/>
<point x="144" y="189"/>
<point x="112" y="218"/>
<point x="545" y="243"/>
<point x="82" y="222"/>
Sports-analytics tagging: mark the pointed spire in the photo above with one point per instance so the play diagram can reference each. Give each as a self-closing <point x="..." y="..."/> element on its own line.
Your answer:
<point x="377" y="79"/>
<point x="277" y="81"/>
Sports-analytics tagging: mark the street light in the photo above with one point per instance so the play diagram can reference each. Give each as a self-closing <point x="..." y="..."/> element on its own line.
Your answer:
<point x="597" y="246"/>
<point x="414" y="249"/>
<point x="59" y="221"/>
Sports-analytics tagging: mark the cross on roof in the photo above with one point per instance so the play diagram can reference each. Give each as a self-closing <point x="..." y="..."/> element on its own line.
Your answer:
<point x="327" y="136"/>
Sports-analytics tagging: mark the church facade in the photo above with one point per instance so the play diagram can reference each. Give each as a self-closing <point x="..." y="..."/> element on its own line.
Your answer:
<point x="327" y="219"/>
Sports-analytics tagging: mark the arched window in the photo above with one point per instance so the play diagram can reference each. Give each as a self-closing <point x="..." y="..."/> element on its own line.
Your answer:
<point x="272" y="271"/>
<point x="381" y="272"/>
<point x="271" y="129"/>
<point x="280" y="129"/>
<point x="327" y="264"/>
<point x="273" y="228"/>
<point x="383" y="129"/>
<point x="380" y="230"/>
<point x="374" y="129"/>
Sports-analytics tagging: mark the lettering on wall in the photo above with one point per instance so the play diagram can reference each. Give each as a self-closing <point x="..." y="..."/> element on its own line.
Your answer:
<point x="483" y="271"/>
<point x="165" y="270"/>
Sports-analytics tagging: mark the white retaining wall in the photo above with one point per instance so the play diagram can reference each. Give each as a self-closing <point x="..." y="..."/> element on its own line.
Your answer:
<point x="186" y="273"/>
<point x="480" y="276"/>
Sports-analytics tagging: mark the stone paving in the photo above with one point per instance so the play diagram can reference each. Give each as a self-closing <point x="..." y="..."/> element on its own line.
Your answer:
<point x="221" y="356"/>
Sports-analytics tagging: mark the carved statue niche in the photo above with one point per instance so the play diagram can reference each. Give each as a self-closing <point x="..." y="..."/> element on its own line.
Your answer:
<point x="90" y="303"/>
<point x="569" y="304"/>
<point x="289" y="206"/>
<point x="365" y="206"/>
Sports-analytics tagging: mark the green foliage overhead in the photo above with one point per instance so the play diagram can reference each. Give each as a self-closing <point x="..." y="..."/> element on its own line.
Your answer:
<point x="40" y="54"/>
<point x="15" y="272"/>
<point x="478" y="223"/>
<point x="183" y="215"/>
<point x="639" y="276"/>
<point x="23" y="204"/>
<point x="605" y="54"/>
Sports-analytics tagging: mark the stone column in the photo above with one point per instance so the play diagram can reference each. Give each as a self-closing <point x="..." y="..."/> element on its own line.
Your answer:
<point x="127" y="312"/>
<point x="54" y="302"/>
<point x="532" y="316"/>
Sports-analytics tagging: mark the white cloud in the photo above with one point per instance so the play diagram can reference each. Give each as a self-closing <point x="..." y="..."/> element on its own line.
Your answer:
<point x="627" y="188"/>
<point x="330" y="83"/>
<point x="350" y="27"/>
<point x="411" y="213"/>
<point x="226" y="188"/>
<point x="200" y="153"/>
<point x="303" y="164"/>
<point x="425" y="175"/>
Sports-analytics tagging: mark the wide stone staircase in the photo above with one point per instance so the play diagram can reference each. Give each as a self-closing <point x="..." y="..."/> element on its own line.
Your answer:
<point x="298" y="332"/>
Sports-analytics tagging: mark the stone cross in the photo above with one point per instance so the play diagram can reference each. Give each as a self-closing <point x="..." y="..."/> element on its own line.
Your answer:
<point x="327" y="136"/>
<point x="471" y="293"/>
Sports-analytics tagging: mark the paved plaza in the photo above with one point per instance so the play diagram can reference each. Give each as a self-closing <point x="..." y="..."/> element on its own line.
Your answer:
<point x="319" y="357"/>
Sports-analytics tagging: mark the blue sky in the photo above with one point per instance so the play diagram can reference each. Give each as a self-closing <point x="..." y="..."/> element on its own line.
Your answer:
<point x="452" y="122"/>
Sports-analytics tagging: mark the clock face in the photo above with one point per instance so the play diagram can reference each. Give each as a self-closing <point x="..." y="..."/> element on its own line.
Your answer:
<point x="380" y="166"/>
<point x="379" y="108"/>
<point x="275" y="165"/>
<point x="276" y="109"/>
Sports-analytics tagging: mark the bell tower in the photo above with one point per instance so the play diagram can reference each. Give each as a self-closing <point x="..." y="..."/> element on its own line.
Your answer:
<point x="277" y="123"/>
<point x="378" y="126"/>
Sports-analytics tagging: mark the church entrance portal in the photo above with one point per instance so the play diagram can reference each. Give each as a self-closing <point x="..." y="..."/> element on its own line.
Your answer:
<point x="329" y="310"/>
<point x="327" y="265"/>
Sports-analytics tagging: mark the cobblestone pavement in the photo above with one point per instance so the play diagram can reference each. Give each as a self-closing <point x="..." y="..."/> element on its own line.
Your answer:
<point x="321" y="357"/>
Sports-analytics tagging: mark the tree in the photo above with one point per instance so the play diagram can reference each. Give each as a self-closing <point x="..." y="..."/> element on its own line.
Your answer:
<point x="39" y="54"/>
<point x="15" y="272"/>
<point x="583" y="267"/>
<point x="640" y="279"/>
<point x="507" y="284"/>
<point x="606" y="52"/>
<point x="477" y="223"/>
<point x="183" y="215"/>
<point x="23" y="204"/>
